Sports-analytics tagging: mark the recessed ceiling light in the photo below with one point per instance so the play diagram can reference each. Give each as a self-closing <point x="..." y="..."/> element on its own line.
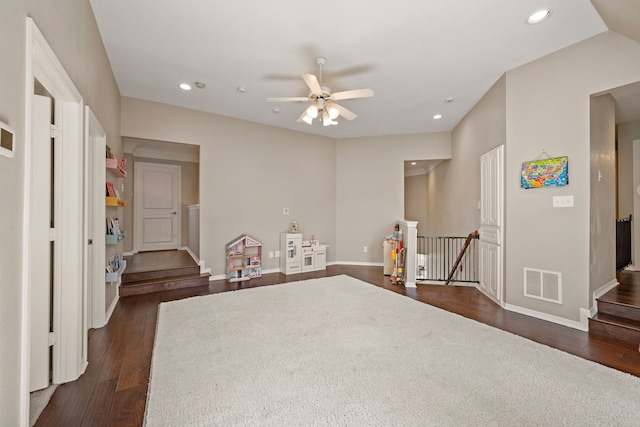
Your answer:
<point x="184" y="86"/>
<point x="241" y="89"/>
<point x="539" y="16"/>
<point x="200" y="85"/>
<point x="413" y="163"/>
<point x="276" y="110"/>
<point x="437" y="117"/>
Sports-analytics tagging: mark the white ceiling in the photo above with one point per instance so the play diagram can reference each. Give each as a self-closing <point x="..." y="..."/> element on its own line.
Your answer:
<point x="412" y="53"/>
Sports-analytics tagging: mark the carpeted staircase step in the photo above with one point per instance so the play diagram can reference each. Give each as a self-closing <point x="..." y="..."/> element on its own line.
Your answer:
<point x="163" y="284"/>
<point x="160" y="274"/>
<point x="619" y="309"/>
<point x="618" y="327"/>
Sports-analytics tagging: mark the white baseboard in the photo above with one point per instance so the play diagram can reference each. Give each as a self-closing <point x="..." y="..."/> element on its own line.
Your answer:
<point x="112" y="307"/>
<point x="601" y="291"/>
<point x="190" y="252"/>
<point x="581" y="325"/>
<point x="370" y="264"/>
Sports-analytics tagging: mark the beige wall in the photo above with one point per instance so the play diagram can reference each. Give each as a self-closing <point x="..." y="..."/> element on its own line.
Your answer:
<point x="548" y="108"/>
<point x="602" y="254"/>
<point x="12" y="44"/>
<point x="70" y="29"/>
<point x="453" y="187"/>
<point x="350" y="189"/>
<point x="248" y="174"/>
<point x="370" y="188"/>
<point x="190" y="189"/>
<point x="415" y="201"/>
<point x="627" y="133"/>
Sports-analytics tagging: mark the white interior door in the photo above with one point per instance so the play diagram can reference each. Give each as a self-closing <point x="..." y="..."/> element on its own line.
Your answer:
<point x="157" y="206"/>
<point x="95" y="213"/>
<point x="491" y="222"/>
<point x="40" y="277"/>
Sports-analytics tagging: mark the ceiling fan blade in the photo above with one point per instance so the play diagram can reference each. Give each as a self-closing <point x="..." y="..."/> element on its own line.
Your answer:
<point x="291" y="98"/>
<point x="347" y="114"/>
<point x="313" y="84"/>
<point x="355" y="93"/>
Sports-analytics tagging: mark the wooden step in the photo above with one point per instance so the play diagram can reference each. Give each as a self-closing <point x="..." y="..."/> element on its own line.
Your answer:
<point x="610" y="325"/>
<point x="133" y="277"/>
<point x="620" y="309"/>
<point x="148" y="286"/>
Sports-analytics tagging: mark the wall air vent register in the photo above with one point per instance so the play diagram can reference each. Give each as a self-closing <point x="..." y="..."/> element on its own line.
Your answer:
<point x="544" y="285"/>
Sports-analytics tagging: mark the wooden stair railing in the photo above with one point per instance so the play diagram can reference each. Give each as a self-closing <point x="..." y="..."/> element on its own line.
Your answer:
<point x="471" y="236"/>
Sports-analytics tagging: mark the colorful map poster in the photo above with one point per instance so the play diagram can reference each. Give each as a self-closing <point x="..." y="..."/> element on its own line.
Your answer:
<point x="545" y="173"/>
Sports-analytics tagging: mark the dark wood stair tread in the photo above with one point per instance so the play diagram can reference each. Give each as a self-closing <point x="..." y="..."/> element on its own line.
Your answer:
<point x="154" y="281"/>
<point x="129" y="277"/>
<point x="617" y="321"/>
<point x="163" y="284"/>
<point x="619" y="309"/>
<point x="611" y="326"/>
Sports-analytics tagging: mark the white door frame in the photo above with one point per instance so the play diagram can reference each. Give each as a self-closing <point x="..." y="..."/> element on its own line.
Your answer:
<point x="138" y="197"/>
<point x="96" y="137"/>
<point x="68" y="363"/>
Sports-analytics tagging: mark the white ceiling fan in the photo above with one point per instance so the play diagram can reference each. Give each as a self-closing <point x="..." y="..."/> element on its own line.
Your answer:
<point x="324" y="105"/>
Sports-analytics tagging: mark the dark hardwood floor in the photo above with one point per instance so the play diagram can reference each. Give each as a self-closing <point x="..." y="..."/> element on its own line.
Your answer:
<point x="112" y="392"/>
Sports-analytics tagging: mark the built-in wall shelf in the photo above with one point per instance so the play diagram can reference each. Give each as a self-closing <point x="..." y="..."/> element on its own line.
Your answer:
<point x="114" y="201"/>
<point x="114" y="276"/>
<point x="113" y="167"/>
<point x="113" y="239"/>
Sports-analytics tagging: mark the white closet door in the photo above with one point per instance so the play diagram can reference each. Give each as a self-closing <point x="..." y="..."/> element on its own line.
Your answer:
<point x="40" y="244"/>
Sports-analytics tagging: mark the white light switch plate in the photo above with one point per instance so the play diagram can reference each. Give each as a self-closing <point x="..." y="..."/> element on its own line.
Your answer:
<point x="562" y="201"/>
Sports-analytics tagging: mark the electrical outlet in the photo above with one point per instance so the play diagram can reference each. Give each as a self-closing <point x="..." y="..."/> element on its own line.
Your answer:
<point x="285" y="211"/>
<point x="365" y="249"/>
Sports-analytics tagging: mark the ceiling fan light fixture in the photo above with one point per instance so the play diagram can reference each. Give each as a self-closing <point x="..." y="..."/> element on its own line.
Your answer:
<point x="312" y="111"/>
<point x="327" y="120"/>
<point x="322" y="99"/>
<point x="333" y="112"/>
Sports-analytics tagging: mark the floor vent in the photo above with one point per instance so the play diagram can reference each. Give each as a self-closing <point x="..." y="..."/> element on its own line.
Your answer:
<point x="544" y="285"/>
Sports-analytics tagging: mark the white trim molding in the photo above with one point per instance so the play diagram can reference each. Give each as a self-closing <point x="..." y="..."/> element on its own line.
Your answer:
<point x="68" y="364"/>
<point x="581" y="325"/>
<point x="370" y="264"/>
<point x="598" y="293"/>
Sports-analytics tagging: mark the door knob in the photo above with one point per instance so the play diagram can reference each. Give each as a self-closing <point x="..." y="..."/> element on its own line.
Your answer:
<point x="174" y="213"/>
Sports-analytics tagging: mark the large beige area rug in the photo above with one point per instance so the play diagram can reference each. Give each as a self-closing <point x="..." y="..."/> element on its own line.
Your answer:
<point x="338" y="351"/>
